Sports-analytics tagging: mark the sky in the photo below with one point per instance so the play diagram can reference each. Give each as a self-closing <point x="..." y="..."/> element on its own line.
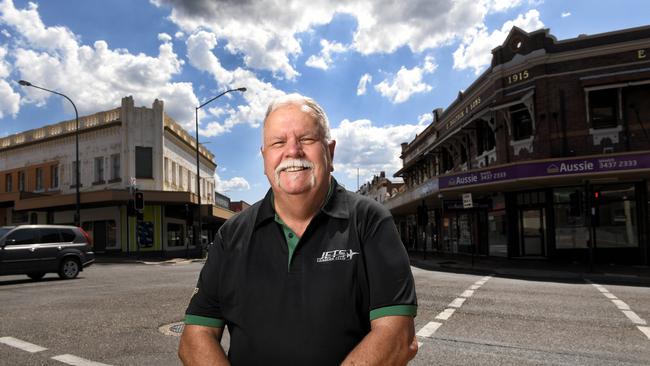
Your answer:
<point x="377" y="67"/>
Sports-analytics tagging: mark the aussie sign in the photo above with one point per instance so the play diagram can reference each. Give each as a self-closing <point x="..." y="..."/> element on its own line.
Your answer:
<point x="548" y="169"/>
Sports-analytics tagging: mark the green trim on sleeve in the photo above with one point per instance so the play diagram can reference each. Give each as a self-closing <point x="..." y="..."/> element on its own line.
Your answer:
<point x="205" y="321"/>
<point x="405" y="310"/>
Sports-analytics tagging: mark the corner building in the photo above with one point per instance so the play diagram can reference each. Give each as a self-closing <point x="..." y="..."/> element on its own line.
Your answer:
<point x="117" y="148"/>
<point x="546" y="154"/>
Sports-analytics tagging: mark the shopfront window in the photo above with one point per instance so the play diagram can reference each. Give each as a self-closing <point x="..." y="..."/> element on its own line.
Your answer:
<point x="497" y="234"/>
<point x="464" y="233"/>
<point x="616" y="217"/>
<point x="175" y="235"/>
<point x="571" y="230"/>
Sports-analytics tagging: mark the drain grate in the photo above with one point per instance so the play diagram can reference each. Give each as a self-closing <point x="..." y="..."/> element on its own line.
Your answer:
<point x="173" y="329"/>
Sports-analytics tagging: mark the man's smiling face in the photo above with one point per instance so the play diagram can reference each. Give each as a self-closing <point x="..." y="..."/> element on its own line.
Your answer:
<point x="297" y="158"/>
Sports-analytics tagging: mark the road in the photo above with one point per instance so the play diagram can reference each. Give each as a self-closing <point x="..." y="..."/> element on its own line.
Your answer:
<point x="112" y="313"/>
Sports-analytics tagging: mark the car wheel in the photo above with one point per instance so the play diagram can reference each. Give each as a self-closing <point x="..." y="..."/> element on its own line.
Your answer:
<point x="36" y="276"/>
<point x="69" y="268"/>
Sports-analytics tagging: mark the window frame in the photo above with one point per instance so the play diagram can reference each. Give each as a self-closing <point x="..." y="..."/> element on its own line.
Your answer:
<point x="612" y="121"/>
<point x="116" y="167"/>
<point x="9" y="182"/>
<point x="518" y="132"/>
<point x="144" y="171"/>
<point x="99" y="170"/>
<point x="54" y="176"/>
<point x="22" y="181"/>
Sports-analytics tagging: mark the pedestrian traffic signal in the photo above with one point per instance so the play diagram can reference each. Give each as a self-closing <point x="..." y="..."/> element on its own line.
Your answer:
<point x="139" y="200"/>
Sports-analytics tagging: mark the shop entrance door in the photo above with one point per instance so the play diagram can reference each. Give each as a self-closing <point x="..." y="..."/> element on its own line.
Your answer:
<point x="99" y="236"/>
<point x="531" y="222"/>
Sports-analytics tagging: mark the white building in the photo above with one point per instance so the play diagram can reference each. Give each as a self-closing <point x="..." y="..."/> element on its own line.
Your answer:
<point x="116" y="148"/>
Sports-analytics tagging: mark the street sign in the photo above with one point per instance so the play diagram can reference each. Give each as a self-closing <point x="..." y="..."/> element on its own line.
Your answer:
<point x="467" y="200"/>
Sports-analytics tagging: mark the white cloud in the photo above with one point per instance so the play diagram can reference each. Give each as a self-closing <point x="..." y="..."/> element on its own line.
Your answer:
<point x="475" y="51"/>
<point x="52" y="57"/>
<point x="565" y="14"/>
<point x="5" y="33"/>
<point x="407" y="82"/>
<point x="371" y="149"/>
<point x="425" y="119"/>
<point x="365" y="79"/>
<point x="324" y="59"/>
<point x="200" y="54"/>
<point x="503" y="5"/>
<point x="179" y="35"/>
<point x="9" y="99"/>
<point x="266" y="33"/>
<point x="232" y="184"/>
<point x="164" y="37"/>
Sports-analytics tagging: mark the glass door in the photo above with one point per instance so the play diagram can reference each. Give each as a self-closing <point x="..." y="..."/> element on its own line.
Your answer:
<point x="532" y="229"/>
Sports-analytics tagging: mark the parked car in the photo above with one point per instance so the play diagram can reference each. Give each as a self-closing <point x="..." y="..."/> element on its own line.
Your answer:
<point x="35" y="250"/>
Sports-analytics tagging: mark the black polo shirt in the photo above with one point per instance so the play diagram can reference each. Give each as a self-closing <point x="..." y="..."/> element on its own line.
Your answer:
<point x="314" y="306"/>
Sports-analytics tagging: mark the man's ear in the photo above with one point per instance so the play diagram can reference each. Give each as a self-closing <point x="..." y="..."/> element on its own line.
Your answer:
<point x="330" y="147"/>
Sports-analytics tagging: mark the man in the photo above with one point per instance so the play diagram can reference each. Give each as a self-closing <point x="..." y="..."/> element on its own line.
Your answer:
<point x="310" y="275"/>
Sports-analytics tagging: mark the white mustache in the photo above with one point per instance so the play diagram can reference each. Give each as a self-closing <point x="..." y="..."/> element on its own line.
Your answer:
<point x="289" y="163"/>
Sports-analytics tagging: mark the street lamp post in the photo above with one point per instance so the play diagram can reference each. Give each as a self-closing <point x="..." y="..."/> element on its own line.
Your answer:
<point x="197" y="239"/>
<point x="77" y="216"/>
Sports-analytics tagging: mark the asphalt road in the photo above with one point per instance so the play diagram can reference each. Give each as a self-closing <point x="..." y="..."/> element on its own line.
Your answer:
<point x="112" y="313"/>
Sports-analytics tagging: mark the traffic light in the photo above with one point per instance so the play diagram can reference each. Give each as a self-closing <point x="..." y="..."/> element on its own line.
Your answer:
<point x="139" y="200"/>
<point x="595" y="209"/>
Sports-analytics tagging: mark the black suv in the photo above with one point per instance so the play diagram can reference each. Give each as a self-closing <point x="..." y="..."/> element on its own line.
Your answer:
<point x="35" y="250"/>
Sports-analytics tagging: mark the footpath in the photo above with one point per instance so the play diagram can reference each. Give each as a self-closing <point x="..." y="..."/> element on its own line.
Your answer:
<point x="534" y="269"/>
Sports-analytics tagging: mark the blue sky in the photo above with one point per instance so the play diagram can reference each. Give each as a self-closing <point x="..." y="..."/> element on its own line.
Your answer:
<point x="377" y="67"/>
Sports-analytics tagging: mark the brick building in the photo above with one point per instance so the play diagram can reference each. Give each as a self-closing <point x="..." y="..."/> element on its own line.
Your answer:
<point x="546" y="154"/>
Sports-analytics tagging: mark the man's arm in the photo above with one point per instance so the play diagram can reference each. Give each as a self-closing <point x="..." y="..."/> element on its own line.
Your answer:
<point x="391" y="341"/>
<point x="201" y="345"/>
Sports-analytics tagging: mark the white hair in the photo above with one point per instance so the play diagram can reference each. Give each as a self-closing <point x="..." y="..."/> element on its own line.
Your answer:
<point x="307" y="105"/>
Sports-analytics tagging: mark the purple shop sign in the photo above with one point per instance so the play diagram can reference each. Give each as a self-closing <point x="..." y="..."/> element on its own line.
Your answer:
<point x="548" y="169"/>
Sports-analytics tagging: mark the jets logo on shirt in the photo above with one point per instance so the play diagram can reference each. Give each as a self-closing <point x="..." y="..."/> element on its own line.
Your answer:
<point x="337" y="255"/>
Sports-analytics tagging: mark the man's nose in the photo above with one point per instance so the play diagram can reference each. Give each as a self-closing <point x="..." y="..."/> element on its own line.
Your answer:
<point x="294" y="148"/>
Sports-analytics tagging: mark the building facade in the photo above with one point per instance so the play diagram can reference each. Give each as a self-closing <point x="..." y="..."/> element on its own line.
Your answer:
<point x="546" y="154"/>
<point x="380" y="188"/>
<point x="119" y="150"/>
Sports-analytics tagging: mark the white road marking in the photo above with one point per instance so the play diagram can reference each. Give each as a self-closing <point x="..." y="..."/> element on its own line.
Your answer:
<point x="645" y="330"/>
<point x="634" y="318"/>
<point x="625" y="308"/>
<point x="77" y="361"/>
<point x="458" y="302"/>
<point x="621" y="305"/>
<point x="429" y="329"/>
<point x="446" y="314"/>
<point x="20" y="344"/>
<point x="467" y="293"/>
